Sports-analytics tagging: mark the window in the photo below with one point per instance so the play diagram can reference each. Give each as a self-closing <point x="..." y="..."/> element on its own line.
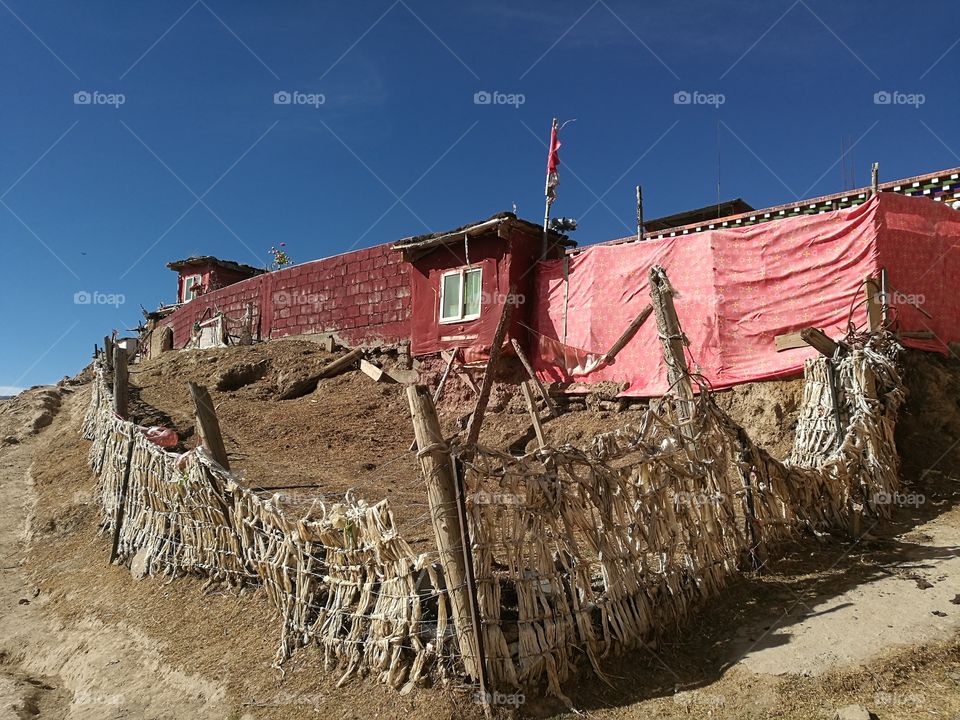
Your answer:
<point x="191" y="287"/>
<point x="460" y="295"/>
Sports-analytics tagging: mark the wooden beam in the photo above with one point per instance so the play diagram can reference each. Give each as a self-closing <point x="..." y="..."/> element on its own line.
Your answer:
<point x="440" y="385"/>
<point x="309" y="384"/>
<point x="121" y="381"/>
<point x="627" y="335"/>
<point x="551" y="406"/>
<point x="476" y="419"/>
<point x="375" y="372"/>
<point x="819" y="340"/>
<point x="208" y="425"/>
<point x="442" y="497"/>
<point x="122" y="498"/>
<point x="534" y="417"/>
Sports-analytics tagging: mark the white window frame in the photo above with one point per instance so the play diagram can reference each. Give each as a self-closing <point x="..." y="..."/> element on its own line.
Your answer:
<point x="188" y="290"/>
<point x="461" y="317"/>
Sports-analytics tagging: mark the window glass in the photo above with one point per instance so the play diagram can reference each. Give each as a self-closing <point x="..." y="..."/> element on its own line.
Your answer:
<point x="450" y="297"/>
<point x="471" y="293"/>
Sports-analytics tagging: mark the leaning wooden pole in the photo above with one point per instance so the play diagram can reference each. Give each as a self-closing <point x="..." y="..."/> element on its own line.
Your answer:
<point x="673" y="340"/>
<point x="442" y="497"/>
<point x="476" y="419"/>
<point x="208" y="424"/>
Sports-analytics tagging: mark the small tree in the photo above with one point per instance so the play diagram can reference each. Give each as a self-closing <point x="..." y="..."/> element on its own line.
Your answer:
<point x="280" y="257"/>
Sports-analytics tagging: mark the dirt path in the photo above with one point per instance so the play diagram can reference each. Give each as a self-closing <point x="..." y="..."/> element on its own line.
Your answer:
<point x="83" y="668"/>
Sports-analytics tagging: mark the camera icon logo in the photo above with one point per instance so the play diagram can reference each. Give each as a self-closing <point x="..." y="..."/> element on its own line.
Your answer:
<point x="82" y="97"/>
<point x="282" y="97"/>
<point x="82" y="298"/>
<point x="482" y="98"/>
<point x="882" y="97"/>
<point x="682" y="97"/>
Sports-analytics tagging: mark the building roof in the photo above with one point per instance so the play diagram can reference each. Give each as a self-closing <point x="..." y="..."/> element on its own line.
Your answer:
<point x="941" y="186"/>
<point x="499" y="223"/>
<point x="209" y="260"/>
<point x="708" y="212"/>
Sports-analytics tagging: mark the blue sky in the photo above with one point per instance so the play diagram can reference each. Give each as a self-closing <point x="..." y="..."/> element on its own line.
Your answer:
<point x="183" y="150"/>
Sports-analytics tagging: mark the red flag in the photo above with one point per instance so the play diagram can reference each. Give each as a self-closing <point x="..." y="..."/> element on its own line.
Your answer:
<point x="553" y="163"/>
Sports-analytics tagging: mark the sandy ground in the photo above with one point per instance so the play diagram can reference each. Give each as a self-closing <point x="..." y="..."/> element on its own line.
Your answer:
<point x="832" y="622"/>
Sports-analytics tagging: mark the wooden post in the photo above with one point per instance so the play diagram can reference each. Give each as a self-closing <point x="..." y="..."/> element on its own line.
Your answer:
<point x="122" y="499"/>
<point x="875" y="303"/>
<point x="442" y="497"/>
<point x="476" y="419"/>
<point x="875" y="179"/>
<point x="108" y="351"/>
<point x="208" y="425"/>
<point x="639" y="212"/>
<point x="121" y="393"/>
<point x="440" y="385"/>
<point x="671" y="336"/>
<point x="551" y="405"/>
<point x="534" y="417"/>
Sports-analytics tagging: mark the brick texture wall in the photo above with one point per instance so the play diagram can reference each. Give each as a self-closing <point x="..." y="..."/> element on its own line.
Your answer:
<point x="362" y="296"/>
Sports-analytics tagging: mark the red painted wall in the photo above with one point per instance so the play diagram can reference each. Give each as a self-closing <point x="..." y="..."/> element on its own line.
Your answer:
<point x="505" y="262"/>
<point x="362" y="296"/>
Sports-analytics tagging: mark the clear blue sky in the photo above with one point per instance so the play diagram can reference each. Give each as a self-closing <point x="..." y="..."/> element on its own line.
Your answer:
<point x="199" y="159"/>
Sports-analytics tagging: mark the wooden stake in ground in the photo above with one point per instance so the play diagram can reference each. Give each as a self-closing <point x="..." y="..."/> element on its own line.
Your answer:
<point x="122" y="497"/>
<point x="476" y="419"/>
<point x="440" y="385"/>
<point x="208" y="425"/>
<point x="671" y="336"/>
<point x="551" y="406"/>
<point x="534" y="417"/>
<point x="435" y="462"/>
<point x="871" y="290"/>
<point x="120" y="382"/>
<point x="108" y="352"/>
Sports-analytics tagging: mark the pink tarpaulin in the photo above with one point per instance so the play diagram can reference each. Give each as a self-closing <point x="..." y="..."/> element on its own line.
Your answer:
<point x="740" y="288"/>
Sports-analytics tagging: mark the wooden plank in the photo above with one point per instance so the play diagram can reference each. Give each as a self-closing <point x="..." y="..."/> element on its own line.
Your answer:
<point x="435" y="462"/>
<point x="308" y="384"/>
<point x="627" y="335"/>
<point x="375" y="372"/>
<point x="789" y="341"/>
<point x="534" y="417"/>
<point x="121" y="381"/>
<point x="476" y="419"/>
<point x="208" y="425"/>
<point x="551" y="406"/>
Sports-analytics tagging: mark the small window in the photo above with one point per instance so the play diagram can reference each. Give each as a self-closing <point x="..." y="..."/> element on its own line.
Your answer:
<point x="460" y="295"/>
<point x="191" y="287"/>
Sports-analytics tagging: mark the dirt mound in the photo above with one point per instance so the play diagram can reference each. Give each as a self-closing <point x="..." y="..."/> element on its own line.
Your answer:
<point x="29" y="412"/>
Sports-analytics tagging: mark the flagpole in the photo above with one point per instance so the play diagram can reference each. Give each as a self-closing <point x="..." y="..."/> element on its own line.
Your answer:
<point x="548" y="200"/>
